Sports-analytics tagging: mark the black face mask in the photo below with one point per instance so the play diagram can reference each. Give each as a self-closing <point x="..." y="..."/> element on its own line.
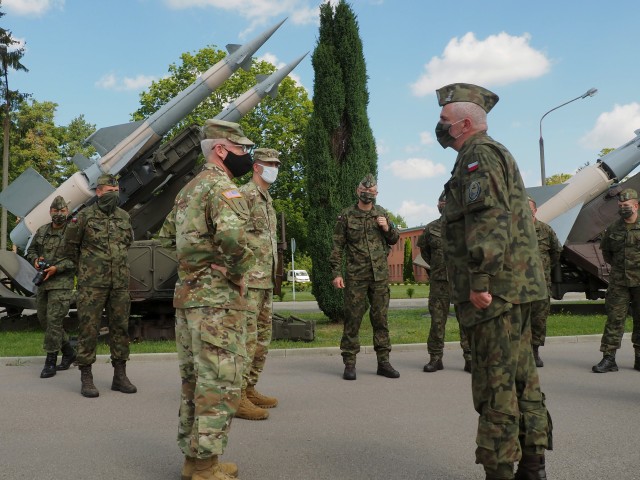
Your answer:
<point x="445" y="139"/>
<point x="625" y="212"/>
<point x="108" y="201"/>
<point x="238" y="165"/>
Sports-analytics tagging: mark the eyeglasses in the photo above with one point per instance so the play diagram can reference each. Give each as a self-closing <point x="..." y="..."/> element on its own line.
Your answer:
<point x="244" y="148"/>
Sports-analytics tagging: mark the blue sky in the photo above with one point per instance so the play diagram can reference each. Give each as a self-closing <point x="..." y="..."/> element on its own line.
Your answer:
<point x="94" y="57"/>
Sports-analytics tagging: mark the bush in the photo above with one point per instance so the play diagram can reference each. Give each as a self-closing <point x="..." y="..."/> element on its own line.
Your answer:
<point x="411" y="291"/>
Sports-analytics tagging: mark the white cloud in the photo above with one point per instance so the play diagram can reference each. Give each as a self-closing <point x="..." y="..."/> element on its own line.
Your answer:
<point x="498" y="60"/>
<point x="32" y="7"/>
<point x="417" y="213"/>
<point x="614" y="128"/>
<point x="381" y="147"/>
<point x="110" y="82"/>
<point x="426" y="138"/>
<point x="416" y="168"/>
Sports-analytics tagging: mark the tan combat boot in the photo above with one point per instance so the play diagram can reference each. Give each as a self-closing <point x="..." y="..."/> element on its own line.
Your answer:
<point x="260" y="400"/>
<point x="209" y="469"/>
<point x="189" y="466"/>
<point x="249" y="411"/>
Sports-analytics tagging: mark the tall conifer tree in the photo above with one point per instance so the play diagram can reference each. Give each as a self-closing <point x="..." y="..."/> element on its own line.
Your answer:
<point x="340" y="148"/>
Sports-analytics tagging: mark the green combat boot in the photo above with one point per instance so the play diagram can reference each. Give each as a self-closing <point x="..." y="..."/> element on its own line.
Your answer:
<point x="88" y="389"/>
<point x="435" y="364"/>
<point x="120" y="381"/>
<point x="49" y="369"/>
<point x="607" y="364"/>
<point x="189" y="466"/>
<point x="531" y="467"/>
<point x="68" y="357"/>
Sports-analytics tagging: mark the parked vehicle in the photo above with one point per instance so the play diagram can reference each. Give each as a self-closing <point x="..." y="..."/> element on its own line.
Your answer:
<point x="301" y="276"/>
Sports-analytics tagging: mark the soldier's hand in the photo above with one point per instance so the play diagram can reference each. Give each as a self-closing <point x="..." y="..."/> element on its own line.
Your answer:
<point x="338" y="282"/>
<point x="36" y="262"/>
<point x="50" y="272"/>
<point x="480" y="300"/>
<point x="382" y="223"/>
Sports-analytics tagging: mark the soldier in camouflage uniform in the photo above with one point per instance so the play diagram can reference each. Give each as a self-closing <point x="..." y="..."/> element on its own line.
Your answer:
<point x="209" y="220"/>
<point x="620" y="247"/>
<point x="432" y="250"/>
<point x="366" y="233"/>
<point x="262" y="238"/>
<point x="97" y="240"/>
<point x="496" y="272"/>
<point x="550" y="250"/>
<point x="55" y="293"/>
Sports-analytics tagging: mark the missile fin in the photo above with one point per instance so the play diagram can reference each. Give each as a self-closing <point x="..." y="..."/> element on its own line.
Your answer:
<point x="25" y="193"/>
<point x="260" y="77"/>
<point x="232" y="47"/>
<point x="81" y="161"/>
<point x="563" y="224"/>
<point x="106" y="138"/>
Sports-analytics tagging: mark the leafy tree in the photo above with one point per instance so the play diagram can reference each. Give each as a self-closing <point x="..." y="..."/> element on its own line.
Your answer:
<point x="398" y="220"/>
<point x="407" y="270"/>
<point x="558" y="178"/>
<point x="277" y="123"/>
<point x="72" y="143"/>
<point x="340" y="148"/>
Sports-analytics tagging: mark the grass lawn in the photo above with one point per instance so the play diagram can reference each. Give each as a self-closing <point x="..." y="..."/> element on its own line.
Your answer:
<point x="397" y="291"/>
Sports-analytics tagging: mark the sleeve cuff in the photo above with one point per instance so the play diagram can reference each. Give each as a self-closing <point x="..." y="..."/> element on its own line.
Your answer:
<point x="480" y="282"/>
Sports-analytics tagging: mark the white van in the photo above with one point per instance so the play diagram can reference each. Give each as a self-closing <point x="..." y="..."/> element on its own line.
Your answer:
<point x="301" y="276"/>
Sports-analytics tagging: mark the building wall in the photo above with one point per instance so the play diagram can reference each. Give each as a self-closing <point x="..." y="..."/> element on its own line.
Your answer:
<point x="396" y="256"/>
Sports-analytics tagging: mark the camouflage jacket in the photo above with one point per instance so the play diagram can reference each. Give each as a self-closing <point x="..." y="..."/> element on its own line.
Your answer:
<point x="620" y="247"/>
<point x="48" y="242"/>
<point x="261" y="236"/>
<point x="432" y="250"/>
<point x="98" y="244"/>
<point x="550" y="249"/>
<point x="367" y="245"/>
<point x="491" y="242"/>
<point x="210" y="218"/>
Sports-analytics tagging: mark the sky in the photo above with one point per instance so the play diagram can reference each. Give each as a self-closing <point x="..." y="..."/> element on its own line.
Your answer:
<point x="95" y="57"/>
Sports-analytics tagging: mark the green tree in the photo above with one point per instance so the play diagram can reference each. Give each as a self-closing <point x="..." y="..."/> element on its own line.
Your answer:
<point x="558" y="178"/>
<point x="72" y="143"/>
<point x="398" y="220"/>
<point x="340" y="148"/>
<point x="277" y="123"/>
<point x="407" y="270"/>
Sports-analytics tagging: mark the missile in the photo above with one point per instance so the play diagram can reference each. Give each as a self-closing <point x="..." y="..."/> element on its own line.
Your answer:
<point x="119" y="146"/>
<point x="560" y="205"/>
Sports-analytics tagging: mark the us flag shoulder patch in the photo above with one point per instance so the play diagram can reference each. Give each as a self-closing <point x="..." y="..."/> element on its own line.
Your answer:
<point x="472" y="167"/>
<point x="232" y="194"/>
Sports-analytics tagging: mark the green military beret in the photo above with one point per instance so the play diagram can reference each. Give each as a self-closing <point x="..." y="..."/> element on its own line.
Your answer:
<point x="107" y="179"/>
<point x="266" y="155"/>
<point x="369" y="181"/>
<point x="58" y="203"/>
<point x="466" y="92"/>
<point x="216" y="129"/>
<point x="627" y="194"/>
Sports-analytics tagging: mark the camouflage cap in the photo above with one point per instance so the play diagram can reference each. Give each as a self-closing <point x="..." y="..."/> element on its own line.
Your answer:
<point x="58" y="203"/>
<point x="369" y="181"/>
<point x="107" y="179"/>
<point x="627" y="194"/>
<point x="231" y="131"/>
<point x="466" y="92"/>
<point x="266" y="155"/>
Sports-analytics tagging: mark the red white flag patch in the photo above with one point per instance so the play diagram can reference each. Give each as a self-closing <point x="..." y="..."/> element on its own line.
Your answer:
<point x="472" y="167"/>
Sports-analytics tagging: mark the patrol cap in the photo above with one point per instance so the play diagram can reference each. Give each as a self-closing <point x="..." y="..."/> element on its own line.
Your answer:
<point x="467" y="92"/>
<point x="369" y="181"/>
<point x="107" y="179"/>
<point x="231" y="131"/>
<point x="266" y="155"/>
<point x="627" y="194"/>
<point x="58" y="203"/>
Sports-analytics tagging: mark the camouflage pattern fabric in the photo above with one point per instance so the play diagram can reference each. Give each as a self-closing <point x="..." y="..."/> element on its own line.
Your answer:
<point x="259" y="331"/>
<point x="98" y="243"/>
<point x="54" y="295"/>
<point x="211" y="372"/>
<point x="550" y="250"/>
<point x="467" y="92"/>
<point x="431" y="247"/>
<point x="491" y="246"/>
<point x="356" y="294"/>
<point x="617" y="302"/>
<point x="506" y="393"/>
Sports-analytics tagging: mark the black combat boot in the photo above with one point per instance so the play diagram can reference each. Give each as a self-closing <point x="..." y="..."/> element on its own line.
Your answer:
<point x="88" y="389"/>
<point x="435" y="364"/>
<point x="536" y="356"/>
<point x="120" y="381"/>
<point x="531" y="467"/>
<point x="386" y="370"/>
<point x="68" y="356"/>
<point x="636" y="364"/>
<point x="467" y="365"/>
<point x="49" y="369"/>
<point x="349" y="372"/>
<point x="607" y="364"/>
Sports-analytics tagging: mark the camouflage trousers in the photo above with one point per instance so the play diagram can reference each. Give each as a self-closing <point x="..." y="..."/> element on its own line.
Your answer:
<point x="259" y="331"/>
<point x="211" y="347"/>
<point x="91" y="302"/>
<point x="617" y="304"/>
<point x="506" y="392"/>
<point x="52" y="306"/>
<point x="356" y="294"/>
<point x="439" y="303"/>
<point x="539" y="312"/>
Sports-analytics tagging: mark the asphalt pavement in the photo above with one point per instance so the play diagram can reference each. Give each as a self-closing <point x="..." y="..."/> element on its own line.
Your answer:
<point x="420" y="426"/>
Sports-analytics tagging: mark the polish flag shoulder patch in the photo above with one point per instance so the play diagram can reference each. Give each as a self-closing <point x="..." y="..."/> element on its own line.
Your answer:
<point x="472" y="167"/>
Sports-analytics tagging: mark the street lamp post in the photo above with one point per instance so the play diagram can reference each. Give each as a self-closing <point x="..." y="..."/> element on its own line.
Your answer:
<point x="589" y="93"/>
<point x="5" y="147"/>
